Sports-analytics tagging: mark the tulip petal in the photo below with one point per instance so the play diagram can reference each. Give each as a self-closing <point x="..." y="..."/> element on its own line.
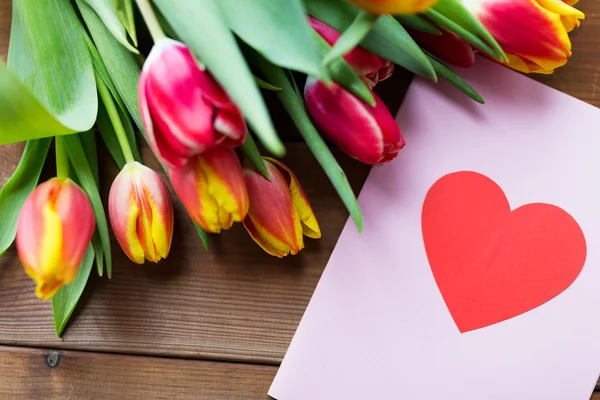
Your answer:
<point x="211" y="187"/>
<point x="161" y="210"/>
<point x="272" y="217"/>
<point x="528" y="30"/>
<point x="310" y="226"/>
<point x="345" y="120"/>
<point x="123" y="212"/>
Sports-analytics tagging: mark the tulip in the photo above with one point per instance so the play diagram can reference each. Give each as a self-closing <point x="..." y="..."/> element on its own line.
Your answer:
<point x="448" y="47"/>
<point x="366" y="133"/>
<point x="532" y="33"/>
<point x="54" y="229"/>
<point x="184" y="110"/>
<point x="394" y="7"/>
<point x="212" y="189"/>
<point x="141" y="213"/>
<point x="370" y="67"/>
<point x="279" y="213"/>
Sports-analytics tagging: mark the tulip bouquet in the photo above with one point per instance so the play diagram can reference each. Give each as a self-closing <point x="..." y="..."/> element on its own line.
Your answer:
<point x="191" y="84"/>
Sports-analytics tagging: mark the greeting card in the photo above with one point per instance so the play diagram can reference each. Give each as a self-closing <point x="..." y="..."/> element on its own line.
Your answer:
<point x="478" y="272"/>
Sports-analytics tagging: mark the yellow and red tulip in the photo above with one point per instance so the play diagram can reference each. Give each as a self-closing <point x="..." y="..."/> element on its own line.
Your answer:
<point x="54" y="229"/>
<point x="141" y="213"/>
<point x="184" y="110"/>
<point x="212" y="189"/>
<point x="532" y="33"/>
<point x="394" y="7"/>
<point x="368" y="133"/>
<point x="280" y="214"/>
<point x="371" y="68"/>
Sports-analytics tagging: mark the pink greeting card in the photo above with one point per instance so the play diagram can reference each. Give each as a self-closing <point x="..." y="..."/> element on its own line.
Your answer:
<point x="478" y="272"/>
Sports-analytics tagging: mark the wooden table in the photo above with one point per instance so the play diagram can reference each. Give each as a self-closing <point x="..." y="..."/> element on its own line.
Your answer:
<point x="206" y="324"/>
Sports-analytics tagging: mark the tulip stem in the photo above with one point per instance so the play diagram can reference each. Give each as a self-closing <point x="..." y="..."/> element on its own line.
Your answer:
<point x="352" y="36"/>
<point x="115" y="119"/>
<point x="151" y="21"/>
<point x="62" y="158"/>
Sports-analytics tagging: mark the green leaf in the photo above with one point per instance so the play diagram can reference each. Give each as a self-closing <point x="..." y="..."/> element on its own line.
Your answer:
<point x="125" y="74"/>
<point x="98" y="252"/>
<point x="266" y="85"/>
<point x="108" y="13"/>
<point x="345" y="75"/>
<point x="294" y="104"/>
<point x="200" y="25"/>
<point x="125" y="12"/>
<point x="100" y="68"/>
<point x="120" y="64"/>
<point x="281" y="34"/>
<point x="109" y="136"/>
<point x="36" y="101"/>
<point x="19" y="186"/>
<point x="418" y="23"/>
<point x="454" y="17"/>
<point x="203" y="236"/>
<point x="88" y="140"/>
<point x="86" y="178"/>
<point x="251" y="151"/>
<point x="66" y="299"/>
<point x="452" y="77"/>
<point x="387" y="39"/>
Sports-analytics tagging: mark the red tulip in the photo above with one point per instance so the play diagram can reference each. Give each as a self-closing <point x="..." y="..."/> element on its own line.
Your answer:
<point x="370" y="67"/>
<point x="54" y="230"/>
<point x="212" y="189"/>
<point x="366" y="133"/>
<point x="532" y="33"/>
<point x="184" y="110"/>
<point x="280" y="214"/>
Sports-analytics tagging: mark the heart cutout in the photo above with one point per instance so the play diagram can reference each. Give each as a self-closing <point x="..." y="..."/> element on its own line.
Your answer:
<point x="490" y="263"/>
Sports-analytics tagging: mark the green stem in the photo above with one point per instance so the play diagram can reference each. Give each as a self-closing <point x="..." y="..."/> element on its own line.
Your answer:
<point x="151" y="20"/>
<point x="115" y="119"/>
<point x="62" y="159"/>
<point x="352" y="36"/>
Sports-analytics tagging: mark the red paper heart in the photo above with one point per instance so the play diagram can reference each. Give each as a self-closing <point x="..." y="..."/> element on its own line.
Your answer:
<point x="491" y="263"/>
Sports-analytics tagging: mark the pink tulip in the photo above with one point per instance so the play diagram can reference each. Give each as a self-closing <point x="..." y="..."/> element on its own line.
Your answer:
<point x="141" y="213"/>
<point x="370" y="67"/>
<point x="184" y="110"/>
<point x="366" y="133"/>
<point x="54" y="230"/>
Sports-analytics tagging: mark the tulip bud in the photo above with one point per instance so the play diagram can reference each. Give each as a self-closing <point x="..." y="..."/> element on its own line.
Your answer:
<point x="370" y="67"/>
<point x="141" y="213"/>
<point x="280" y="213"/>
<point x="54" y="229"/>
<point x="366" y="133"/>
<point x="212" y="189"/>
<point x="448" y="47"/>
<point x="394" y="7"/>
<point x="184" y="110"/>
<point x="532" y="33"/>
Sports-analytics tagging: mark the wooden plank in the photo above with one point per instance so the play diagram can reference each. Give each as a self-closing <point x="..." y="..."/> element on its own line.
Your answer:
<point x="5" y="15"/>
<point x="231" y="302"/>
<point x="47" y="374"/>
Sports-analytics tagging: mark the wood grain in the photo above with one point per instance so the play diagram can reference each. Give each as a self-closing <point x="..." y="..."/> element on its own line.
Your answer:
<point x="47" y="374"/>
<point x="232" y="302"/>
